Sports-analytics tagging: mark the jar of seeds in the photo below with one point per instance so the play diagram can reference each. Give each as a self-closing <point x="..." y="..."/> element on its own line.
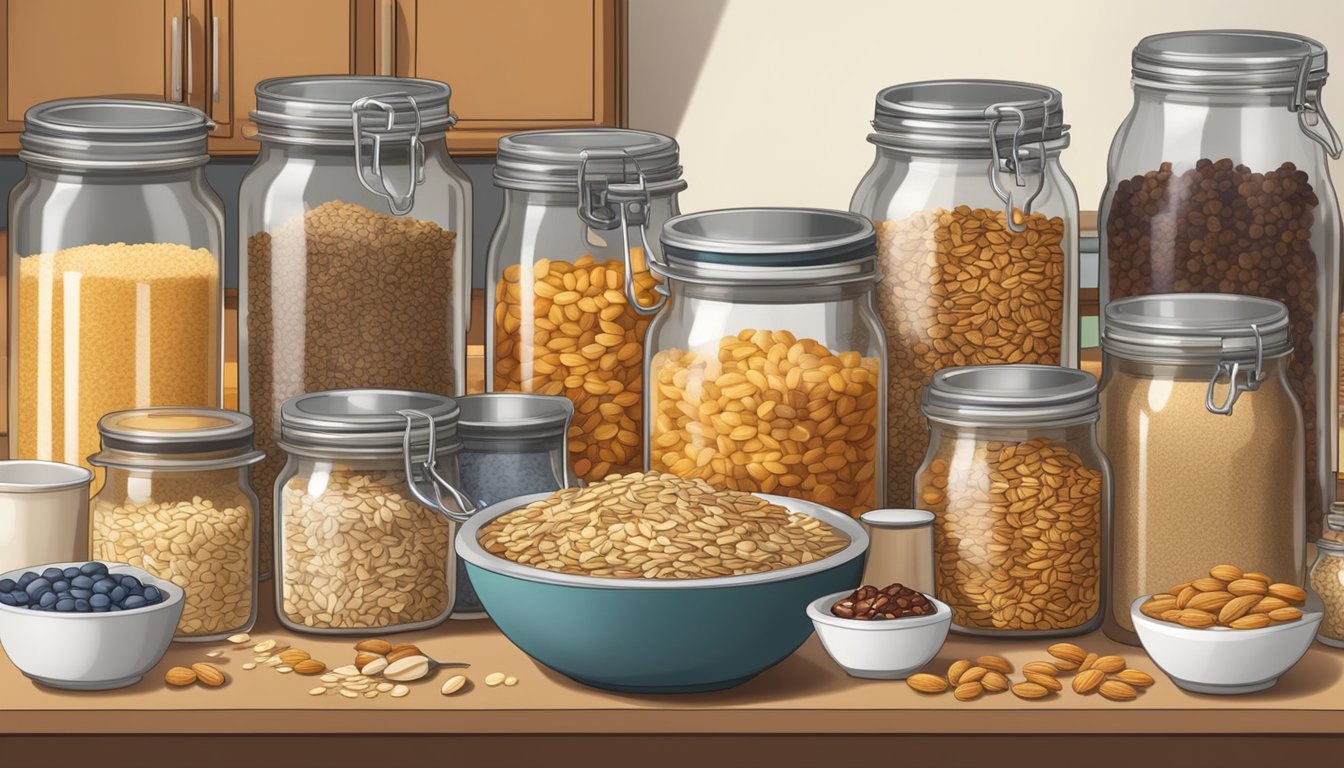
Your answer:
<point x="365" y="511"/>
<point x="977" y="232"/>
<point x="1327" y="577"/>
<point x="513" y="444"/>
<point x="1021" y="497"/>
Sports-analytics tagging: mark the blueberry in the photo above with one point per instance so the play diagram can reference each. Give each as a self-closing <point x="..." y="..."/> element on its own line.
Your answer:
<point x="114" y="607"/>
<point x="81" y="606"/>
<point x="71" y="572"/>
<point x="65" y="605"/>
<point x="82" y="582"/>
<point x="20" y="597"/>
<point x="37" y="587"/>
<point x="133" y="602"/>
<point x="152" y="595"/>
<point x="7" y="585"/>
<point x="137" y="590"/>
<point x="48" y="599"/>
<point x="100" y="602"/>
<point x="129" y="581"/>
<point x="27" y="578"/>
<point x="60" y="585"/>
<point x="94" y="568"/>
<point x="118" y="594"/>
<point x="51" y="574"/>
<point x="81" y="594"/>
<point x="104" y="585"/>
<point x="7" y="599"/>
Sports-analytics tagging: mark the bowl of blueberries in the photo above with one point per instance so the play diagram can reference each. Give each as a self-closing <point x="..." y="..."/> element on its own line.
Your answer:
<point x="87" y="626"/>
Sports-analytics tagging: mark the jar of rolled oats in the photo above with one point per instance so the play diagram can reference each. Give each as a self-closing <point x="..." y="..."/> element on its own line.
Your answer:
<point x="366" y="507"/>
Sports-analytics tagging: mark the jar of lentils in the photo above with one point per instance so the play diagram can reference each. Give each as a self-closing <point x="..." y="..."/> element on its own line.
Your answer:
<point x="365" y="511"/>
<point x="1218" y="182"/>
<point x="977" y="232"/>
<point x="767" y="368"/>
<point x="1021" y="497"/>
<point x="176" y="502"/>
<point x="571" y="291"/>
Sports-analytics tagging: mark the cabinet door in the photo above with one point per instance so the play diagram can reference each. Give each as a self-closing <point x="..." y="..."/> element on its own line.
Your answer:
<point x="253" y="40"/>
<point x="517" y="64"/>
<point x="53" y="49"/>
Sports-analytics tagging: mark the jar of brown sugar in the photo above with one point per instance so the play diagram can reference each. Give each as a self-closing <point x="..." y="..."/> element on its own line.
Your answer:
<point x="1218" y="182"/>
<point x="1020" y="493"/>
<point x="1204" y="436"/>
<point x="977" y="230"/>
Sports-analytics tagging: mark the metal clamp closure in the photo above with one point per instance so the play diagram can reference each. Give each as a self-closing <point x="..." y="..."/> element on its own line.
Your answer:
<point x="605" y="205"/>
<point x="426" y="471"/>
<point x="1012" y="164"/>
<point x="1310" y="118"/>
<point x="400" y="202"/>
<point x="1234" y="384"/>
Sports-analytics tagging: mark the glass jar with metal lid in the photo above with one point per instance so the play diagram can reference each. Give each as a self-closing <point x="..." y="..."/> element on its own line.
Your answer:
<point x="1326" y="578"/>
<point x="365" y="511"/>
<point x="571" y="291"/>
<point x="115" y="248"/>
<point x="176" y="502"/>
<point x="977" y="228"/>
<point x="767" y="367"/>
<point x="1218" y="182"/>
<point x="513" y="444"/>
<point x="354" y="225"/>
<point x="1204" y="436"/>
<point x="1021" y="497"/>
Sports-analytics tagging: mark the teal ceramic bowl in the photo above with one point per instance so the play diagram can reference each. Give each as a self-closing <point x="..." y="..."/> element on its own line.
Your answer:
<point x="658" y="636"/>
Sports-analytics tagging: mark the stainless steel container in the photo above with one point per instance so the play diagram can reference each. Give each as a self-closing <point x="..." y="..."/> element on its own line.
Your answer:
<point x="902" y="549"/>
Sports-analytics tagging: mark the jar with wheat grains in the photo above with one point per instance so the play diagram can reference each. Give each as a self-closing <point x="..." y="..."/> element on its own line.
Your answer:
<point x="977" y="228"/>
<point x="1218" y="182"/>
<point x="571" y="295"/>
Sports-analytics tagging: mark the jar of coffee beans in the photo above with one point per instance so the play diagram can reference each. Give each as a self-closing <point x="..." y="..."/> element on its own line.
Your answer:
<point x="1218" y="183"/>
<point x="571" y="292"/>
<point x="1020" y="494"/>
<point x="977" y="231"/>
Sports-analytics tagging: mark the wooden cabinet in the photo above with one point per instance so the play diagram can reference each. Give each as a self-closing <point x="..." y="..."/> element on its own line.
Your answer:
<point x="513" y="64"/>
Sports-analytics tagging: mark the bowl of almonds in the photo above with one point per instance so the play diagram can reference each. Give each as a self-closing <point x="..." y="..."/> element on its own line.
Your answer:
<point x="1231" y="631"/>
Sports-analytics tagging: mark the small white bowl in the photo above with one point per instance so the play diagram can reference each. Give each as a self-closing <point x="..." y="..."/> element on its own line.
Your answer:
<point x="90" y="651"/>
<point x="1221" y="660"/>
<point x="882" y="649"/>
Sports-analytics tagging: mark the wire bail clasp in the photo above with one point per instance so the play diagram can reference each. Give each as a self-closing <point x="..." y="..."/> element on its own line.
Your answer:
<point x="1234" y="384"/>
<point x="426" y="471"/>
<point x="371" y="174"/>
<point x="1310" y="117"/>
<point x="607" y="205"/>
<point x="1012" y="163"/>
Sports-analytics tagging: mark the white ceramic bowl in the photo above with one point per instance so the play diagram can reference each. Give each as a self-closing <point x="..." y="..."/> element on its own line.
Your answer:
<point x="90" y="651"/>
<point x="886" y="649"/>
<point x="1222" y="660"/>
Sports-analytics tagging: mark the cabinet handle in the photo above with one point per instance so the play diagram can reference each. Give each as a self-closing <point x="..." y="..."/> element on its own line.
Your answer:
<point x="385" y="37"/>
<point x="214" y="59"/>
<point x="175" y="88"/>
<point x="191" y="65"/>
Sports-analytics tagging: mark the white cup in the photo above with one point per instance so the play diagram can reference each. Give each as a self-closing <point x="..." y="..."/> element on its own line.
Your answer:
<point x="44" y="513"/>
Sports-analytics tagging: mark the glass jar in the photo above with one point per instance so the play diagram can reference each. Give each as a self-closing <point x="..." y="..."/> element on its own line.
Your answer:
<point x="767" y="367"/>
<point x="115" y="242"/>
<point x="513" y="444"/>
<point x="176" y="502"/>
<point x="1326" y="579"/>
<point x="901" y="548"/>
<point x="1021" y="497"/>
<point x="1218" y="182"/>
<point x="356" y="227"/>
<point x="364" y="531"/>
<point x="1204" y="436"/>
<point x="977" y="241"/>
<point x="572" y="294"/>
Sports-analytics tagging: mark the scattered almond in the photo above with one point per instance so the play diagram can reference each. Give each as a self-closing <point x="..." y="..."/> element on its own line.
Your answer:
<point x="1045" y="681"/>
<point x="494" y="678"/>
<point x="400" y="652"/>
<point x="925" y="683"/>
<point x="364" y="658"/>
<point x="317" y="691"/>
<point x="407" y="669"/>
<point x="1088" y="662"/>
<point x="1088" y="680"/>
<point x="995" y="681"/>
<point x="1116" y="690"/>
<point x="293" y="656"/>
<point x="453" y="685"/>
<point x="972" y="675"/>
<point x="377" y="665"/>
<point x="995" y="663"/>
<point x="1134" y="677"/>
<point x="1041" y="668"/>
<point x="399" y="690"/>
<point x="179" y="676"/>
<point x="510" y="681"/>
<point x="240" y="638"/>
<point x="310" y="667"/>
<point x="375" y="646"/>
<point x="265" y="646"/>
<point x="250" y="665"/>
<point x="968" y="691"/>
<point x="958" y="668"/>
<point x="346" y="671"/>
<point x="1067" y="652"/>
<point x="1109" y="664"/>
<point x="1030" y="691"/>
<point x="208" y="674"/>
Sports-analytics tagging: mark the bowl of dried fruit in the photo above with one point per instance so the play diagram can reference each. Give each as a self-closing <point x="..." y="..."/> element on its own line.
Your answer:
<point x="1228" y="632"/>
<point x="87" y="626"/>
<point x="651" y="583"/>
<point x="884" y="634"/>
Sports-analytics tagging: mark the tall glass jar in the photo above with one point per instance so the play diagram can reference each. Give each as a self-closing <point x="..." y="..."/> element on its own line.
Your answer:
<point x="1326" y="578"/>
<point x="1218" y="182"/>
<point x="977" y="231"/>
<point x="571" y="293"/>
<point x="767" y="367"/>
<point x="115" y="248"/>
<point x="356" y="227"/>
<point x="513" y="444"/>
<point x="177" y="503"/>
<point x="1021" y="495"/>
<point x="365" y="511"/>
<point x="1204" y="436"/>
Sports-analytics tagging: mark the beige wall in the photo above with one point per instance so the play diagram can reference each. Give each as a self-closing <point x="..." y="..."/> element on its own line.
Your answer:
<point x="771" y="99"/>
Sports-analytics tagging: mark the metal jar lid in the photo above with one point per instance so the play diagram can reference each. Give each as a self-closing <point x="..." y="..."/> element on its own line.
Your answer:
<point x="1011" y="396"/>
<point x="512" y="417"/>
<point x="769" y="246"/>
<point x="114" y="134"/>
<point x="366" y="421"/>
<point x="957" y="117"/>
<point x="897" y="519"/>
<point x="552" y="161"/>
<point x="145" y="437"/>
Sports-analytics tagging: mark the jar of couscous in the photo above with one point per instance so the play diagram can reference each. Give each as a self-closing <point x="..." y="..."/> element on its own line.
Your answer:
<point x="571" y="292"/>
<point x="767" y="366"/>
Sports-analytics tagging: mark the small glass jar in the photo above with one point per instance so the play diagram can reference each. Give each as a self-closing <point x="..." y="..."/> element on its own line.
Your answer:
<point x="365" y="508"/>
<point x="354" y="240"/>
<point x="513" y="444"/>
<point x="901" y="549"/>
<point x="1204" y="436"/>
<point x="571" y="292"/>
<point x="1021" y="495"/>
<point x="1326" y="579"/>
<point x="977" y="232"/>
<point x="176" y="502"/>
<point x="767" y="367"/>
<point x="1218" y="181"/>
<point x="115" y="248"/>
